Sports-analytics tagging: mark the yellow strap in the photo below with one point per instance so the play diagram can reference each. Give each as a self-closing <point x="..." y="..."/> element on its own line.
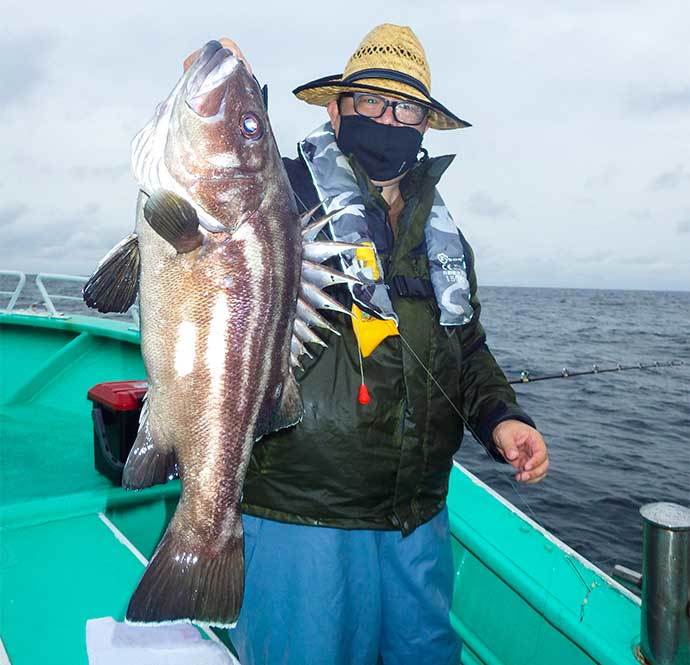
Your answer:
<point x="365" y="255"/>
<point x="370" y="331"/>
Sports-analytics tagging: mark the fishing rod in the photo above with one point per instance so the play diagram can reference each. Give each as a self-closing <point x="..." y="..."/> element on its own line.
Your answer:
<point x="565" y="373"/>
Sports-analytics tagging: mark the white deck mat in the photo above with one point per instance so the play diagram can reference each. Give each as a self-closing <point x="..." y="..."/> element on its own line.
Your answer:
<point x="109" y="642"/>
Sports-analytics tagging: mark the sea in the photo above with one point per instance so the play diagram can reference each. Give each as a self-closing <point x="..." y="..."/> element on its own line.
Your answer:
<point x="617" y="440"/>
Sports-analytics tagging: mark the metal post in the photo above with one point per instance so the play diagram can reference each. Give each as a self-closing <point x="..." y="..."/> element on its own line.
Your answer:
<point x="665" y="622"/>
<point x="17" y="290"/>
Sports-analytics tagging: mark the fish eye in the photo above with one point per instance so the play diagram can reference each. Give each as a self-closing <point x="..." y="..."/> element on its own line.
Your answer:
<point x="250" y="126"/>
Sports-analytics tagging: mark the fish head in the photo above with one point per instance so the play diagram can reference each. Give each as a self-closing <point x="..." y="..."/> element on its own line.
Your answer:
<point x="211" y="141"/>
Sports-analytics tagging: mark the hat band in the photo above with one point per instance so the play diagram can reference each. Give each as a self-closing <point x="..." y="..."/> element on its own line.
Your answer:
<point x="390" y="74"/>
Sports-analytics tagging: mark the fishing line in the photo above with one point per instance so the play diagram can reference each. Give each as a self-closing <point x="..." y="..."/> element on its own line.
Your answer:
<point x="468" y="426"/>
<point x="547" y="587"/>
<point x="299" y="199"/>
<point x="363" y="392"/>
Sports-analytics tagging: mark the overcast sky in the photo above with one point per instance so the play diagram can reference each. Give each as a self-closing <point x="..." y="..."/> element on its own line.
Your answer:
<point x="575" y="173"/>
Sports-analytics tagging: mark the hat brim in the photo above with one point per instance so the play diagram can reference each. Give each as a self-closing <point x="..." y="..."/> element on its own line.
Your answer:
<point x="321" y="91"/>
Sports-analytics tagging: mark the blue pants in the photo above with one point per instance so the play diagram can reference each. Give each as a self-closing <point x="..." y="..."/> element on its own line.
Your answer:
<point x="322" y="596"/>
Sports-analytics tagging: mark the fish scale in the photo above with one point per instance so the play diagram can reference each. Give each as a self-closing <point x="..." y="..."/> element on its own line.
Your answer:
<point x="227" y="308"/>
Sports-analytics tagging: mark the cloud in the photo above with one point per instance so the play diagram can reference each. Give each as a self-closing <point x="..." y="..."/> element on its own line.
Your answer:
<point x="604" y="178"/>
<point x="480" y="203"/>
<point x="10" y="214"/>
<point x="24" y="234"/>
<point x="641" y="214"/>
<point x="660" y="101"/>
<point x="547" y="129"/>
<point x="671" y="179"/>
<point x="109" y="171"/>
<point x="645" y="260"/>
<point x="602" y="256"/>
<point x="22" y="66"/>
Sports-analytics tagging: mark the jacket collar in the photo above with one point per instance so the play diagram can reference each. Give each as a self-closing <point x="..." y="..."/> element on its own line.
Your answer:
<point x="423" y="177"/>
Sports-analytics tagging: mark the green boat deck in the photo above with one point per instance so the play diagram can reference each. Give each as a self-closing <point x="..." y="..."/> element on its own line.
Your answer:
<point x="72" y="546"/>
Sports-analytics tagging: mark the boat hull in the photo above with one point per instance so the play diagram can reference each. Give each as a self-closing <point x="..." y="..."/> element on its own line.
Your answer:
<point x="73" y="547"/>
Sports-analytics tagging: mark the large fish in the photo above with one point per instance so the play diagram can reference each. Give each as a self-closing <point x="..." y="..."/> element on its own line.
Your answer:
<point x="229" y="280"/>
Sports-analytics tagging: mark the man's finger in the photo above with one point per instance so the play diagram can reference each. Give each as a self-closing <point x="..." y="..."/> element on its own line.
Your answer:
<point x="536" y="479"/>
<point x="190" y="59"/>
<point x="507" y="449"/>
<point x="228" y="43"/>
<point x="524" y="456"/>
<point x="225" y="42"/>
<point x="523" y="436"/>
<point x="537" y="458"/>
<point x="236" y="51"/>
<point x="510" y="452"/>
<point x="535" y="475"/>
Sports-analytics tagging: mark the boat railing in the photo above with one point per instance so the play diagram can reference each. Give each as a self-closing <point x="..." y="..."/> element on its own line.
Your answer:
<point x="47" y="297"/>
<point x="14" y="295"/>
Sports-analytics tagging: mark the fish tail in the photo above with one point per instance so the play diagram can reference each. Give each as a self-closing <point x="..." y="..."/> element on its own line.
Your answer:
<point x="183" y="584"/>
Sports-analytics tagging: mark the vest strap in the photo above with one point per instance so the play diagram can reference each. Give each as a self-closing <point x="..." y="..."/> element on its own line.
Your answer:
<point x="339" y="191"/>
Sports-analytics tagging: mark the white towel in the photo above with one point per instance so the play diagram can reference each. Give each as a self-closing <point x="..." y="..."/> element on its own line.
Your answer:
<point x="109" y="642"/>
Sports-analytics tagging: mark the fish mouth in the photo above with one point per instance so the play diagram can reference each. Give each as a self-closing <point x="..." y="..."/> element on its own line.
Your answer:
<point x="208" y="80"/>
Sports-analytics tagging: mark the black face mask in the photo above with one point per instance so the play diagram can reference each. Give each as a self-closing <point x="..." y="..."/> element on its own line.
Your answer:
<point x="384" y="151"/>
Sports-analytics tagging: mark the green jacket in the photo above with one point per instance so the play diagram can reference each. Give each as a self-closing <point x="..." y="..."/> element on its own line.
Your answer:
<point x="384" y="465"/>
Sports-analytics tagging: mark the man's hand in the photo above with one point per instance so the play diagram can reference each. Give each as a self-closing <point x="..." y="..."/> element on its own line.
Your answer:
<point x="226" y="43"/>
<point x="524" y="448"/>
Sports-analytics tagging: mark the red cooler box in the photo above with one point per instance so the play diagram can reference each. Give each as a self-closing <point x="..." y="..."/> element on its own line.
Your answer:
<point x="116" y="408"/>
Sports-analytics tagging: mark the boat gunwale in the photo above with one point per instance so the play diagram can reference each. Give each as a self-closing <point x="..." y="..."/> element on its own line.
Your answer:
<point x="559" y="613"/>
<point x="125" y="331"/>
<point x="552" y="538"/>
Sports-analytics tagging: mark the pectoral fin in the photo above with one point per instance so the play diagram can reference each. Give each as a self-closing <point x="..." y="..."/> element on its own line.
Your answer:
<point x="113" y="287"/>
<point x="174" y="219"/>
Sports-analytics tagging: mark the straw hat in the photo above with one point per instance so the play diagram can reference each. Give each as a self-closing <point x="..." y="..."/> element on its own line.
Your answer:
<point x="389" y="61"/>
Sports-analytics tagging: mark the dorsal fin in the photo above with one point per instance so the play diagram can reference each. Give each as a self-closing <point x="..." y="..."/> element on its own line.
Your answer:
<point x="306" y="334"/>
<point x="311" y="317"/>
<point x="298" y="349"/>
<point x="317" y="298"/>
<point x="323" y="276"/>
<point x="310" y="231"/>
<point x="319" y="251"/>
<point x="306" y="216"/>
<point x="314" y="277"/>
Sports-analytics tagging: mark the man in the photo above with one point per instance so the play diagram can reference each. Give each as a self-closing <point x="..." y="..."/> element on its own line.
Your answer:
<point x="347" y="546"/>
